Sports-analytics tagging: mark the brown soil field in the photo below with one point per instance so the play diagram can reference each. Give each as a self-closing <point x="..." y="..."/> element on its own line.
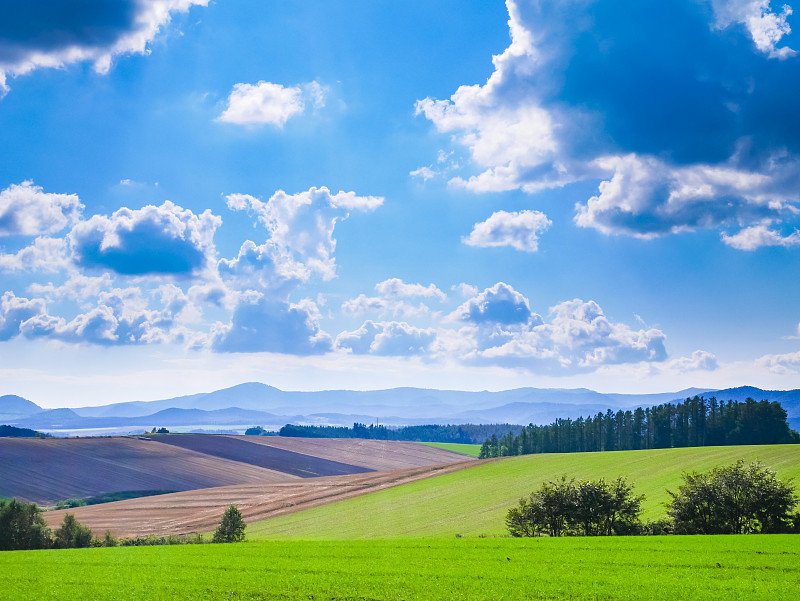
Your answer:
<point x="201" y="510"/>
<point x="378" y="455"/>
<point x="239" y="448"/>
<point x="48" y="470"/>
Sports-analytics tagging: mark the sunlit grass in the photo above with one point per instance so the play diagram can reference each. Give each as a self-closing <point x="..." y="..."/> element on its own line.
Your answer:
<point x="474" y="501"/>
<point x="635" y="568"/>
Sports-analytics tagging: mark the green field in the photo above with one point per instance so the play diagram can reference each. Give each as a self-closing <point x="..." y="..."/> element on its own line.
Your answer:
<point x="474" y="501"/>
<point x="472" y="450"/>
<point x="725" y="567"/>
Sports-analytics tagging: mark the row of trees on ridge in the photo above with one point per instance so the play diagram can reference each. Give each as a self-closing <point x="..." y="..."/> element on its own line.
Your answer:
<point x="695" y="422"/>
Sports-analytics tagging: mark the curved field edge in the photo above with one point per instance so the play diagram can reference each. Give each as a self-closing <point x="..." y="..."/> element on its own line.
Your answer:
<point x="474" y="501"/>
<point x="473" y="450"/>
<point x="752" y="567"/>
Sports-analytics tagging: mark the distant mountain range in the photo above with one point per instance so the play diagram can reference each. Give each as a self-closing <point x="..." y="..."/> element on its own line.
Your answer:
<point x="254" y="403"/>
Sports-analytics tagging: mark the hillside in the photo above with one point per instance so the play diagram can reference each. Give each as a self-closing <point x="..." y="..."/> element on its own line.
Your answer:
<point x="474" y="501"/>
<point x="45" y="471"/>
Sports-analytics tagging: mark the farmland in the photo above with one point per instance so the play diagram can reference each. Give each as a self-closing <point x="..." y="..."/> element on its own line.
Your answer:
<point x="633" y="568"/>
<point x="474" y="501"/>
<point x="200" y="510"/>
<point x="45" y="471"/>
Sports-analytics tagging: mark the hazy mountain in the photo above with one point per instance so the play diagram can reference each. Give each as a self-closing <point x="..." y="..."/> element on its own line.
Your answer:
<point x="258" y="404"/>
<point x="13" y="406"/>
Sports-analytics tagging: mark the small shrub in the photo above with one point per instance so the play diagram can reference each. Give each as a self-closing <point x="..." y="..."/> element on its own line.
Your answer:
<point x="231" y="527"/>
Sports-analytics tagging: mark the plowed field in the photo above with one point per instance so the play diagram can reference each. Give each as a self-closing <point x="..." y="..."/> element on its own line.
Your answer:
<point x="235" y="448"/>
<point x="200" y="510"/>
<point x="48" y="470"/>
<point x="378" y="455"/>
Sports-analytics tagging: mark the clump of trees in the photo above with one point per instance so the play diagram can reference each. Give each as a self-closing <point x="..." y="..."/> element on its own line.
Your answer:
<point x="583" y="508"/>
<point x="695" y="422"/>
<point x="737" y="499"/>
<point x="22" y="527"/>
<point x="742" y="498"/>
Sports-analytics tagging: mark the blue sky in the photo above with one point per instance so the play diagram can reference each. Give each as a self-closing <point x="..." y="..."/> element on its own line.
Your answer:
<point x="457" y="194"/>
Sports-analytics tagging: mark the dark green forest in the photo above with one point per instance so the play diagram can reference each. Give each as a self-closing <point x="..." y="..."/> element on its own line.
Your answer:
<point x="696" y="422"/>
<point x="464" y="433"/>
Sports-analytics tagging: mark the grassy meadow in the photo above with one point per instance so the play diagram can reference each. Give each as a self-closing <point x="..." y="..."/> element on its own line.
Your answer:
<point x="474" y="501"/>
<point x="473" y="450"/>
<point x="632" y="568"/>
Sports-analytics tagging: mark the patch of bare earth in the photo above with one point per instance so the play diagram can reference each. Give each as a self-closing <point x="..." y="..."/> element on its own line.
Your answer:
<point x="49" y="470"/>
<point x="378" y="455"/>
<point x="201" y="510"/>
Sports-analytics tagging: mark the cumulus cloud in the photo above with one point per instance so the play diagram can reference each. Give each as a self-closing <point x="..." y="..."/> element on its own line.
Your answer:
<point x="269" y="103"/>
<point x="383" y="306"/>
<point x="500" y="304"/>
<point x="163" y="240"/>
<point x="786" y="363"/>
<point x="14" y="311"/>
<point x="25" y="209"/>
<point x="520" y="230"/>
<point x="263" y="325"/>
<point x="56" y="33"/>
<point x="695" y="136"/>
<point x="698" y="361"/>
<point x="766" y="27"/>
<point x="751" y="238"/>
<point x="387" y="338"/>
<point x="397" y="288"/>
<point x="45" y="254"/>
<point x="300" y="226"/>
<point x="499" y="328"/>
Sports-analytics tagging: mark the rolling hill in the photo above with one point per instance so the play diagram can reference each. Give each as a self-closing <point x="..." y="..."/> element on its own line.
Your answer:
<point x="474" y="501"/>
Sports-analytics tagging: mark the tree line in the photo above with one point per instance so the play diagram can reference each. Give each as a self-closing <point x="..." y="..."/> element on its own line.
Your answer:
<point x="464" y="433"/>
<point x="695" y="422"/>
<point x="736" y="499"/>
<point x="22" y="527"/>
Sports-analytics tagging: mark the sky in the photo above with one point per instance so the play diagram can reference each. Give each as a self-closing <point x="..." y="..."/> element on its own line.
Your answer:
<point x="462" y="194"/>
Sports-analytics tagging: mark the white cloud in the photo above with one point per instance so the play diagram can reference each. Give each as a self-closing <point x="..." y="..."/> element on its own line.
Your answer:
<point x="786" y="363"/>
<point x="45" y="254"/>
<point x="262" y="325"/>
<point x="14" y="311"/>
<point x="425" y="173"/>
<point x="166" y="240"/>
<point x="766" y="27"/>
<point x="397" y="288"/>
<point x="520" y="230"/>
<point x="263" y="103"/>
<point x="382" y="306"/>
<point x="698" y="361"/>
<point x="466" y="290"/>
<point x="500" y="304"/>
<point x="646" y="198"/>
<point x="25" y="209"/>
<point x="301" y="226"/>
<point x="558" y="109"/>
<point x="95" y="32"/>
<point x="387" y="338"/>
<point x="756" y="236"/>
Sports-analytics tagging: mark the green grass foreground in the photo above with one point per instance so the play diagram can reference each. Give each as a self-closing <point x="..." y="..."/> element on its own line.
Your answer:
<point x="648" y="568"/>
<point x="473" y="450"/>
<point x="474" y="501"/>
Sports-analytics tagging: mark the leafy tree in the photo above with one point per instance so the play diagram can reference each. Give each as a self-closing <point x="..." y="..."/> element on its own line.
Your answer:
<point x="231" y="527"/>
<point x="22" y="526"/>
<point x="72" y="534"/>
<point x="736" y="499"/>
<point x="588" y="508"/>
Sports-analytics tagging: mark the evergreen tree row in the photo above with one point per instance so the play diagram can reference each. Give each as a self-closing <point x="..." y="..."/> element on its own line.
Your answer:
<point x="464" y="433"/>
<point x="696" y="422"/>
